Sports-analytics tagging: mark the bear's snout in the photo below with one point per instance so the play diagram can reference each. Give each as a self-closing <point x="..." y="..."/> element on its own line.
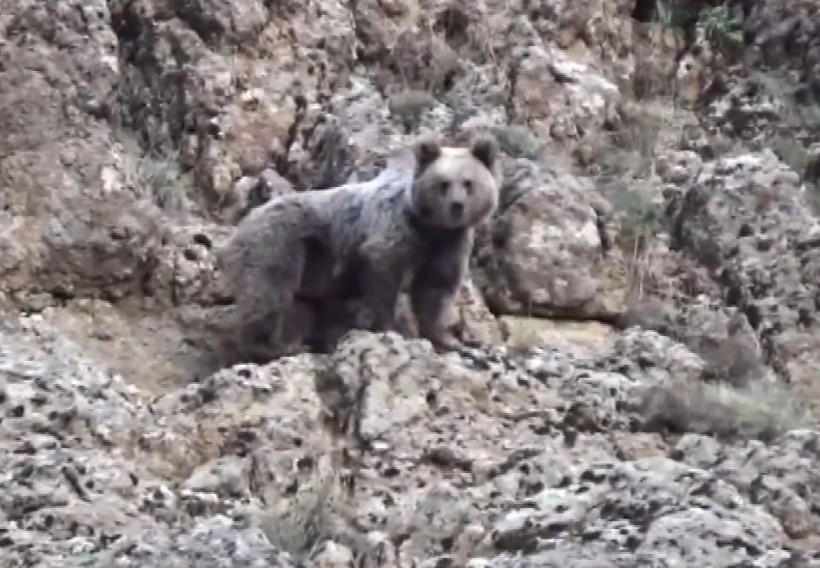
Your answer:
<point x="457" y="209"/>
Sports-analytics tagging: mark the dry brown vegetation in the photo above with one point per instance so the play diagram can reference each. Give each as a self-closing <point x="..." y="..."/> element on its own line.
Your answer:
<point x="623" y="162"/>
<point x="298" y="522"/>
<point x="758" y="411"/>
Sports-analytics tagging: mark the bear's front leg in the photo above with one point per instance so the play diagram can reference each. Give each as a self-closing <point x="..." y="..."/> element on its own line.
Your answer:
<point x="431" y="305"/>
<point x="434" y="288"/>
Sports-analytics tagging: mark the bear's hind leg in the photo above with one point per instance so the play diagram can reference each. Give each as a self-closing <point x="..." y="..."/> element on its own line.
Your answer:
<point x="383" y="270"/>
<point x="268" y="318"/>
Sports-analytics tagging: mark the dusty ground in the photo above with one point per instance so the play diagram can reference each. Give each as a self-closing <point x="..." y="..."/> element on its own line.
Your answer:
<point x="151" y="350"/>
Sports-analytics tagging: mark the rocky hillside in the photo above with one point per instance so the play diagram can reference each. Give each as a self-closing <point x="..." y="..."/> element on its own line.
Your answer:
<point x="647" y="295"/>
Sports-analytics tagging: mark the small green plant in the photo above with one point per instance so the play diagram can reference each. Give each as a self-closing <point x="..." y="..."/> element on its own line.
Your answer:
<point x="639" y="225"/>
<point x="719" y="24"/>
<point x="809" y="115"/>
<point x="791" y="151"/>
<point x="670" y="15"/>
<point x="638" y="216"/>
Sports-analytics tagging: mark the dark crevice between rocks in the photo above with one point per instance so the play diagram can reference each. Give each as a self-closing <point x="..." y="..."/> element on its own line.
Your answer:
<point x="453" y="23"/>
<point x="553" y="313"/>
<point x="512" y="79"/>
<point x="367" y="52"/>
<point x="149" y="95"/>
<point x="736" y="295"/>
<point x="680" y="14"/>
<point x="645" y="11"/>
<point x="159" y="100"/>
<point x="603" y="234"/>
<point x="281" y="161"/>
<point x="210" y="30"/>
<point x="331" y="156"/>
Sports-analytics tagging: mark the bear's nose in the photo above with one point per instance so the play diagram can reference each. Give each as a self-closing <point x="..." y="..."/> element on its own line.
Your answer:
<point x="457" y="209"/>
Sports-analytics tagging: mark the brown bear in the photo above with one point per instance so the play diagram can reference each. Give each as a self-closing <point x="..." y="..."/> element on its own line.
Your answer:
<point x="306" y="265"/>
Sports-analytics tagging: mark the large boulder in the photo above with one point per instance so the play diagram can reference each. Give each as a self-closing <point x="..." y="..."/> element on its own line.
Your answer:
<point x="548" y="252"/>
<point x="74" y="222"/>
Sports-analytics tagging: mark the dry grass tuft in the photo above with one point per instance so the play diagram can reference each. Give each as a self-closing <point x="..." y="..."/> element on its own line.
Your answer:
<point x="159" y="177"/>
<point x="760" y="411"/>
<point x="519" y="142"/>
<point x="623" y="162"/>
<point x="408" y="105"/>
<point x="297" y="524"/>
<point x="165" y="181"/>
<point x="425" y="49"/>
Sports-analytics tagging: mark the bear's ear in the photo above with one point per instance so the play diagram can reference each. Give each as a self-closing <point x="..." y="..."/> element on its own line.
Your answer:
<point x="485" y="150"/>
<point x="427" y="151"/>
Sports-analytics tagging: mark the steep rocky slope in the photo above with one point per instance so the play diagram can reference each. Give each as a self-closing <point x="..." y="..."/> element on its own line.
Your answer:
<point x="647" y="293"/>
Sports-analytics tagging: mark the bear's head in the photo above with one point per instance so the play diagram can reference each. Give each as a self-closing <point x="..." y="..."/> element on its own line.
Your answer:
<point x="455" y="187"/>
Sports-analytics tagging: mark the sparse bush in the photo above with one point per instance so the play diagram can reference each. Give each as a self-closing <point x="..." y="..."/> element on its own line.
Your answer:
<point x="409" y="104"/>
<point x="639" y="220"/>
<point x="422" y="59"/>
<point x="627" y="148"/>
<point x="519" y="141"/>
<point x="797" y="122"/>
<point x="650" y="314"/>
<point x="799" y="107"/>
<point x="759" y="411"/>
<point x="716" y="22"/>
<point x="157" y="176"/>
<point x="670" y="15"/>
<point x="298" y="523"/>
<point x="626" y="183"/>
<point x="427" y="47"/>
<point x="811" y="116"/>
<point x="624" y="164"/>
<point x="165" y="181"/>
<point x="791" y="151"/>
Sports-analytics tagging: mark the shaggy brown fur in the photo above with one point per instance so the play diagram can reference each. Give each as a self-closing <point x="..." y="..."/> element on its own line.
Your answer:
<point x="299" y="263"/>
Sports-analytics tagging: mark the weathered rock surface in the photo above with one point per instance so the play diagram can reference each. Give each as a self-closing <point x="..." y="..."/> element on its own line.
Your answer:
<point x="548" y="252"/>
<point x="461" y="458"/>
<point x="70" y="215"/>
<point x="747" y="218"/>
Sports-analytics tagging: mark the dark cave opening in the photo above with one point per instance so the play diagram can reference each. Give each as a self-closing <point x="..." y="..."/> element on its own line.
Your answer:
<point x="644" y="10"/>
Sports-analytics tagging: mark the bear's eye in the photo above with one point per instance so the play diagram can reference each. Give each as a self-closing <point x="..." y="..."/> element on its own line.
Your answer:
<point x="443" y="186"/>
<point x="468" y="186"/>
